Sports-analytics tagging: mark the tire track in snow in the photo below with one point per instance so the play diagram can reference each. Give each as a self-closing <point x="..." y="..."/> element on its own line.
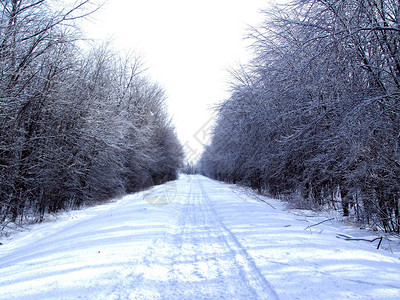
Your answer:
<point x="252" y="275"/>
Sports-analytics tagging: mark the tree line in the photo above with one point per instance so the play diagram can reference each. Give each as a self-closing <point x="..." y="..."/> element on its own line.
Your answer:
<point x="315" y="116"/>
<point x="78" y="125"/>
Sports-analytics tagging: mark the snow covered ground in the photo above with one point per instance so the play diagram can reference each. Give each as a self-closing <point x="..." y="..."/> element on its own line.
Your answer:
<point x="194" y="239"/>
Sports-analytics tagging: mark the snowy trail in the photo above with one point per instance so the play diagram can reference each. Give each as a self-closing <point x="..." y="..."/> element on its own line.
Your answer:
<point x="198" y="258"/>
<point x="193" y="238"/>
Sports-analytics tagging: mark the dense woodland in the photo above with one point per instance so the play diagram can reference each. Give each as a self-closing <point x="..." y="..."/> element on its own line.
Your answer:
<point x="79" y="124"/>
<point x="315" y="117"/>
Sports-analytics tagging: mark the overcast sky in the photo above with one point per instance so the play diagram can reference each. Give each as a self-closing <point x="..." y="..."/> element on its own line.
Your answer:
<point x="187" y="47"/>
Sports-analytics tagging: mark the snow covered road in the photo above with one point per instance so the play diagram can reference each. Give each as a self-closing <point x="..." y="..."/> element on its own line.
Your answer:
<point x="193" y="238"/>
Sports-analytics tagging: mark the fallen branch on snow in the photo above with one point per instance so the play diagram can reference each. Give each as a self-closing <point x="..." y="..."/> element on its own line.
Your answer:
<point x="319" y="223"/>
<point x="347" y="238"/>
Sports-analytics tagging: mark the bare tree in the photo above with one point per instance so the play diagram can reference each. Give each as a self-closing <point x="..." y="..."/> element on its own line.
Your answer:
<point x="76" y="128"/>
<point x="317" y="111"/>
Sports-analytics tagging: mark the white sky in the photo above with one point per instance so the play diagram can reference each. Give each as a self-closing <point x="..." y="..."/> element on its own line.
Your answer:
<point x="187" y="47"/>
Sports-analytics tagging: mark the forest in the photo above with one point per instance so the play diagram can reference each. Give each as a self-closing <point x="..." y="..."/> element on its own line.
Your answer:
<point x="314" y="118"/>
<point x="79" y="122"/>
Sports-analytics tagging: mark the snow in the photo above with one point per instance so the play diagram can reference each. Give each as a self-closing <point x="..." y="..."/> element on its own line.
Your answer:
<point x="194" y="238"/>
